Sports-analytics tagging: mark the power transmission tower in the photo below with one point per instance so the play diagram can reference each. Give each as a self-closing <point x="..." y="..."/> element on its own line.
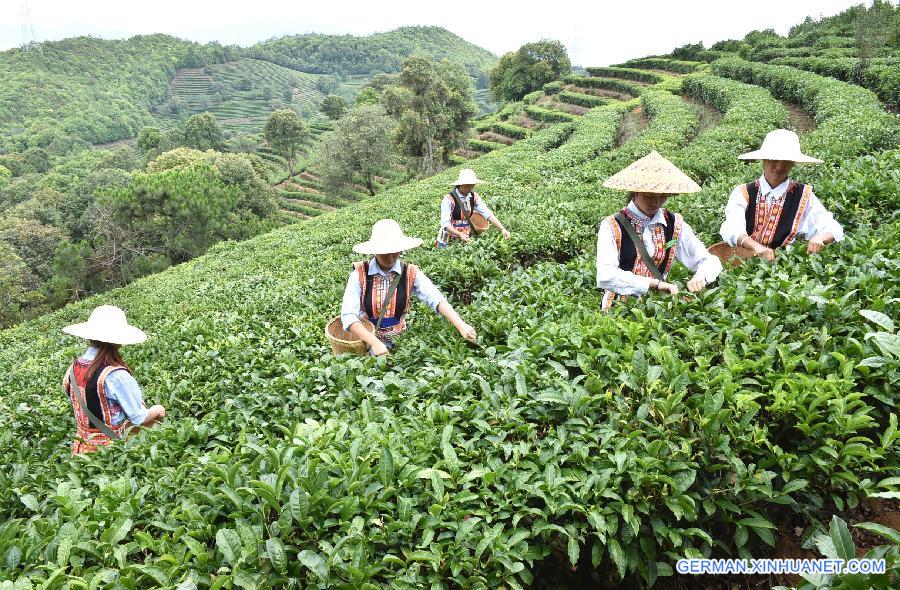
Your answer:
<point x="29" y="39"/>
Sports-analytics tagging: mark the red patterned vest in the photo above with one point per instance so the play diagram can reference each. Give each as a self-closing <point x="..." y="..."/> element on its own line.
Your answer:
<point x="664" y="240"/>
<point x="88" y="438"/>
<point x="457" y="219"/>
<point x="775" y="224"/>
<point x="375" y="288"/>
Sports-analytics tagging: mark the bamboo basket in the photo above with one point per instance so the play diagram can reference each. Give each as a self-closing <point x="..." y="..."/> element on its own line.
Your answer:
<point x="479" y="222"/>
<point x="731" y="255"/>
<point x="344" y="342"/>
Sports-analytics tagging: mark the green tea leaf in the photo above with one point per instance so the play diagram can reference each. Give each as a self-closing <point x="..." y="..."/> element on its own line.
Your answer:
<point x="229" y="544"/>
<point x="314" y="562"/>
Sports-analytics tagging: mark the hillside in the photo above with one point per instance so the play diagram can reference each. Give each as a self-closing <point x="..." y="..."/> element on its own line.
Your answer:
<point x="614" y="442"/>
<point x="569" y="448"/>
<point x="86" y="90"/>
<point x="372" y="54"/>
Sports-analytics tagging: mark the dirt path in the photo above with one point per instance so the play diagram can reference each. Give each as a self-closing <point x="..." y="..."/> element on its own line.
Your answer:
<point x="129" y="142"/>
<point x="633" y="123"/>
<point x="311" y="204"/>
<point x="496" y="137"/>
<point x="604" y="92"/>
<point x="709" y="116"/>
<point x="800" y="120"/>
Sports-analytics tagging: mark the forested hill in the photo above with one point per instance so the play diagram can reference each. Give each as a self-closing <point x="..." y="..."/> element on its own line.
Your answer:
<point x="89" y="90"/>
<point x="381" y="52"/>
<point x="85" y="90"/>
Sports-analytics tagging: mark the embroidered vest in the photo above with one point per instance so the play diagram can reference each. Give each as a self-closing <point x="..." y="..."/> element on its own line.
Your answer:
<point x="630" y="260"/>
<point x="775" y="224"/>
<point x="88" y="438"/>
<point x="457" y="219"/>
<point x="374" y="289"/>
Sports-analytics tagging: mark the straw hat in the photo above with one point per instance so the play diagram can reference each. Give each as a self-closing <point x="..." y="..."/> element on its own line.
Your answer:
<point x="652" y="174"/>
<point x="387" y="238"/>
<point x="107" y="324"/>
<point x="781" y="144"/>
<point x="466" y="176"/>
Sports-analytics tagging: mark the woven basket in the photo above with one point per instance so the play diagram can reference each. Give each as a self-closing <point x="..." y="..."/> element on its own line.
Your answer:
<point x="730" y="255"/>
<point x="344" y="342"/>
<point x="479" y="222"/>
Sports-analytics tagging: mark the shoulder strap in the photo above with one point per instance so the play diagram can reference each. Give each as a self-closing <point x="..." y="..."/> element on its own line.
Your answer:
<point x="97" y="422"/>
<point x="464" y="212"/>
<point x="395" y="282"/>
<point x="639" y="246"/>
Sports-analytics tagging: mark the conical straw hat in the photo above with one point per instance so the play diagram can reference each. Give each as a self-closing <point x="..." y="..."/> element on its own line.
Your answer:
<point x="652" y="174"/>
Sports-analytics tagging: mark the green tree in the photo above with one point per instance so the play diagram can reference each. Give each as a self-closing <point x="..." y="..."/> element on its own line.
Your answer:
<point x="333" y="106"/>
<point x="176" y="213"/>
<point x="367" y="96"/>
<point x="19" y="297"/>
<point x="202" y="132"/>
<point x="148" y="139"/>
<point x="432" y="104"/>
<point x="5" y="174"/>
<point x="528" y="69"/>
<point x="34" y="242"/>
<point x="284" y="131"/>
<point x="361" y="146"/>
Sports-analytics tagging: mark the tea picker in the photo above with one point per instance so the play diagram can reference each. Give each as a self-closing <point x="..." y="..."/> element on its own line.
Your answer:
<point x="463" y="211"/>
<point x="105" y="397"/>
<point x="637" y="245"/>
<point x="769" y="212"/>
<point x="376" y="298"/>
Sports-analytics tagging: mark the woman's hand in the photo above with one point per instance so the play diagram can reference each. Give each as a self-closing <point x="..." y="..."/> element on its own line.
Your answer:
<point x="764" y="253"/>
<point x="467" y="332"/>
<point x="664" y="287"/>
<point x="379" y="349"/>
<point x="505" y="233"/>
<point x="465" y="238"/>
<point x="815" y="245"/>
<point x="696" y="284"/>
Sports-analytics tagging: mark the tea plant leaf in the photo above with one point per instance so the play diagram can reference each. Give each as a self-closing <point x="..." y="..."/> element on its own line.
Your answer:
<point x="275" y="551"/>
<point x="117" y="531"/>
<point x="888" y="533"/>
<point x="878" y="318"/>
<point x="386" y="467"/>
<point x="840" y="536"/>
<point x="229" y="544"/>
<point x="314" y="562"/>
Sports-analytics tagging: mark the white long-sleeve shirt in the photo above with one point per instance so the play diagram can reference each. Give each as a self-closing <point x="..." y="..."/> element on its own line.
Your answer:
<point x="689" y="250"/>
<point x="815" y="220"/>
<point x="447" y="204"/>
<point x="351" y="308"/>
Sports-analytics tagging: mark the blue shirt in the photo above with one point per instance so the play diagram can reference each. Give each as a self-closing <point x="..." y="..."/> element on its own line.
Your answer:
<point x="123" y="393"/>
<point x="351" y="310"/>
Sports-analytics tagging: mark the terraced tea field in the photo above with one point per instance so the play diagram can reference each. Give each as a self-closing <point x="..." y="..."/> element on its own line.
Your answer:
<point x="240" y="93"/>
<point x="571" y="448"/>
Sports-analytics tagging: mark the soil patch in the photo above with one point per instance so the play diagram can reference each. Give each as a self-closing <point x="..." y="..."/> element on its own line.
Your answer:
<point x="496" y="137"/>
<point x="526" y="122"/>
<point x="800" y="120"/>
<point x="129" y="142"/>
<point x="633" y="123"/>
<point x="709" y="116"/>
<point x="600" y="92"/>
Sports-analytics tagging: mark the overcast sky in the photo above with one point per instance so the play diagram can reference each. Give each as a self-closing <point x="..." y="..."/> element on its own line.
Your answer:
<point x="595" y="33"/>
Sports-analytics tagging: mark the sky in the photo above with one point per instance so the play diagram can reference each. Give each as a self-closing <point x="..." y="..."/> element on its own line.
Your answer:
<point x="595" y="33"/>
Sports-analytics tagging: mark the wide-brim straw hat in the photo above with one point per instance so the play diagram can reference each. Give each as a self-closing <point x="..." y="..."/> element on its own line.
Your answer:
<point x="652" y="174"/>
<point x="387" y="238"/>
<point x="780" y="144"/>
<point x="466" y="176"/>
<point x="107" y="324"/>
